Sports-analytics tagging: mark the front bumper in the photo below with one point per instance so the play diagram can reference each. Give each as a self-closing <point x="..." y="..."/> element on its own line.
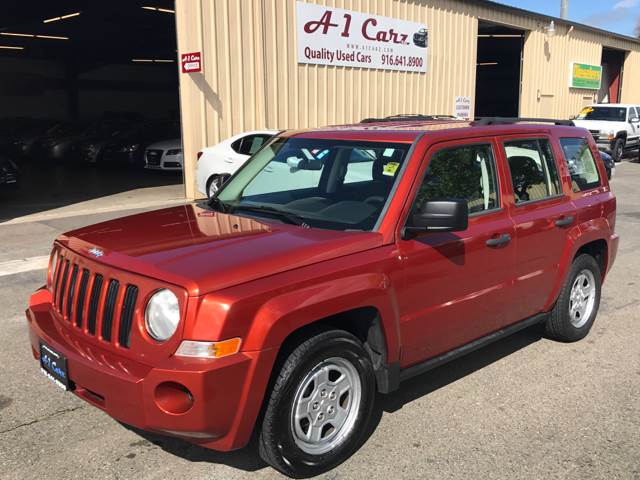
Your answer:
<point x="227" y="393"/>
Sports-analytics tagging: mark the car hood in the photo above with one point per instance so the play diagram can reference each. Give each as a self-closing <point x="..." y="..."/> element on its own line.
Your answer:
<point x="167" y="144"/>
<point x="204" y="251"/>
<point x="602" y="125"/>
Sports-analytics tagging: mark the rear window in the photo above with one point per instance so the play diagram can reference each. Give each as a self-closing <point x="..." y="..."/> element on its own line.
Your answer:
<point x="582" y="166"/>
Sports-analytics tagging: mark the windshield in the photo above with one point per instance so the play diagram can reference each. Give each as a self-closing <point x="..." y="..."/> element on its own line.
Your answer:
<point x="333" y="184"/>
<point x="610" y="114"/>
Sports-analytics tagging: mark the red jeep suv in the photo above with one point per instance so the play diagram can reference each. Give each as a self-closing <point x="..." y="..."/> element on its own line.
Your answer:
<point x="335" y="263"/>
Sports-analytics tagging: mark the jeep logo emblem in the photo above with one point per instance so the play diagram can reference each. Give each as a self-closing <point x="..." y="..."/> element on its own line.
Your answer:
<point x="96" y="252"/>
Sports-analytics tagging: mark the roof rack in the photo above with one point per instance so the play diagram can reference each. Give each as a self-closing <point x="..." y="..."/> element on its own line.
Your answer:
<point x="510" y="120"/>
<point x="408" y="116"/>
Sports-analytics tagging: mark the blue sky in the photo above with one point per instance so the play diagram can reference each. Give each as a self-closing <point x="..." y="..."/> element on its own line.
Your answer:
<point x="620" y="16"/>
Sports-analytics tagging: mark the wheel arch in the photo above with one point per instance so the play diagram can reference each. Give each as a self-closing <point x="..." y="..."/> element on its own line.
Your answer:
<point x="589" y="243"/>
<point x="365" y="323"/>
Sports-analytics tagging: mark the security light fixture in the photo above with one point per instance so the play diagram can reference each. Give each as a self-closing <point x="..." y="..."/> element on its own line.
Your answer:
<point x="9" y="47"/>
<point x="551" y="29"/>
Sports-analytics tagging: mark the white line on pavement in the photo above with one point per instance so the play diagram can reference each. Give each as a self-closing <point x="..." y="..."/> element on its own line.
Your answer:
<point x="68" y="212"/>
<point x="23" y="265"/>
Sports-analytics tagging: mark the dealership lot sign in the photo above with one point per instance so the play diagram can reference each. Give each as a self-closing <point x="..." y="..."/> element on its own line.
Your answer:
<point x="332" y="36"/>
<point x="586" y="76"/>
<point x="191" y="62"/>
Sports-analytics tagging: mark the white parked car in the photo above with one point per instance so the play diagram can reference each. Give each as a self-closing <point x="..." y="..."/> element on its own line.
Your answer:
<point x="166" y="155"/>
<point x="615" y="127"/>
<point x="217" y="163"/>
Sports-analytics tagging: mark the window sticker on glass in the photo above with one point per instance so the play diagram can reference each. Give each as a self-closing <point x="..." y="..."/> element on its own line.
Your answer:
<point x="390" y="169"/>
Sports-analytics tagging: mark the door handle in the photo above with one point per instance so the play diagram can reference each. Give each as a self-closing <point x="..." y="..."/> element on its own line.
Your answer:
<point x="499" y="241"/>
<point x="564" y="221"/>
<point x="268" y="169"/>
<point x="228" y="160"/>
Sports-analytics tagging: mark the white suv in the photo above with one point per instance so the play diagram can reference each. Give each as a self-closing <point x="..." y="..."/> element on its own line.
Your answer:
<point x="615" y="127"/>
<point x="216" y="164"/>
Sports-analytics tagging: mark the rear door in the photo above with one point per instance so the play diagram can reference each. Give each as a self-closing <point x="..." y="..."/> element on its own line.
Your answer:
<point x="543" y="215"/>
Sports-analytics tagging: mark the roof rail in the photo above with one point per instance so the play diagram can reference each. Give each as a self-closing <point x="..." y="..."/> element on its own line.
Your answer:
<point x="408" y="117"/>
<point x="509" y="120"/>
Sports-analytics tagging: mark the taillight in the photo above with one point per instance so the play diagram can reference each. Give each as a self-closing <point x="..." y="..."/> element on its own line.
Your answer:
<point x="199" y="155"/>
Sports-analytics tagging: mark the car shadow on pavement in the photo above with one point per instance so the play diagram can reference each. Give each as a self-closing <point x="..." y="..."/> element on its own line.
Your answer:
<point x="246" y="458"/>
<point x="448" y="373"/>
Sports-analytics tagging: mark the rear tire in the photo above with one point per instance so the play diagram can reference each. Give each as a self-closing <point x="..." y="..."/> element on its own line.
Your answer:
<point x="214" y="184"/>
<point x="618" y="150"/>
<point x="318" y="409"/>
<point x="577" y="307"/>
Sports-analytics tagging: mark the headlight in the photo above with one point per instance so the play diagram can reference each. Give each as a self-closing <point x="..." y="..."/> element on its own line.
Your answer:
<point x="129" y="148"/>
<point x="52" y="267"/>
<point x="176" y="151"/>
<point x="162" y="315"/>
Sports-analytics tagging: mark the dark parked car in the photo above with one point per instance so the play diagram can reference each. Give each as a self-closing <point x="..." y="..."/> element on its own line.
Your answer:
<point x="128" y="147"/>
<point x="420" y="38"/>
<point x="609" y="164"/>
<point x="25" y="142"/>
<point x="64" y="143"/>
<point x="8" y="173"/>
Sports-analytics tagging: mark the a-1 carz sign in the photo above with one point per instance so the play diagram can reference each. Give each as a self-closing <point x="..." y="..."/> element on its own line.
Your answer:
<point x="332" y="36"/>
<point x="191" y="62"/>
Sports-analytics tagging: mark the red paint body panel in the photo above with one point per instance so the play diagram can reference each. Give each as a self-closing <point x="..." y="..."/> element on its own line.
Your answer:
<point x="262" y="280"/>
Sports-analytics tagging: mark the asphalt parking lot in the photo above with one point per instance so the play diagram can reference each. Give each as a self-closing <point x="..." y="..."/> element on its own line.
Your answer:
<point x="526" y="407"/>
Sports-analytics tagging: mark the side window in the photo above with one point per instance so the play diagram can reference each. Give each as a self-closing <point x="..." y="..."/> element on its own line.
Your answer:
<point x="467" y="172"/>
<point x="581" y="164"/>
<point x="534" y="173"/>
<point x="255" y="142"/>
<point x="250" y="144"/>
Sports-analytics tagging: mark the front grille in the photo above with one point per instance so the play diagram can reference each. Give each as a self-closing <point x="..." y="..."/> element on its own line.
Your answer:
<point x="153" y="157"/>
<point x="80" y="298"/>
<point x="595" y="134"/>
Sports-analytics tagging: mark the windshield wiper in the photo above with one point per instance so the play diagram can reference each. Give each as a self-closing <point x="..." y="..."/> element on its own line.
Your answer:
<point x="288" y="216"/>
<point x="217" y="204"/>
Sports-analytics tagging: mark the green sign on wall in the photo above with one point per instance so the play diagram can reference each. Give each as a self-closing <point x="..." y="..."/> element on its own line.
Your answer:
<point x="586" y="76"/>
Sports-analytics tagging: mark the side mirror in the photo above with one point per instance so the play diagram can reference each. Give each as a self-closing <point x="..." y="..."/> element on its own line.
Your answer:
<point x="634" y="120"/>
<point x="439" y="216"/>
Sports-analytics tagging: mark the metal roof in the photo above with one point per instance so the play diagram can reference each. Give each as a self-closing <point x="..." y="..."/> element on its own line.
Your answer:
<point x="557" y="20"/>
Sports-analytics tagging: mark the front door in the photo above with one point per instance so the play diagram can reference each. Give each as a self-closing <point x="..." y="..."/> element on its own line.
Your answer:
<point x="456" y="284"/>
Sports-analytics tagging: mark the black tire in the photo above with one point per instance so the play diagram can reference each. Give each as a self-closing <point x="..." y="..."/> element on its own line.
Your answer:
<point x="559" y="325"/>
<point x="277" y="443"/>
<point x="220" y="179"/>
<point x="618" y="150"/>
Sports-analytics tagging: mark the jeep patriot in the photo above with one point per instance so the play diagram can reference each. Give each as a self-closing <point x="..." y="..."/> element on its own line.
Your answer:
<point x="335" y="263"/>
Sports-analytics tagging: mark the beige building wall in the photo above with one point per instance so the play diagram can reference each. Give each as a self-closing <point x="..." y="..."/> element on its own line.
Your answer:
<point x="251" y="78"/>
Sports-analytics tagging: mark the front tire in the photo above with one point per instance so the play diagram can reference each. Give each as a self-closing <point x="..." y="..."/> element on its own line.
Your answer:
<point x="578" y="302"/>
<point x="318" y="409"/>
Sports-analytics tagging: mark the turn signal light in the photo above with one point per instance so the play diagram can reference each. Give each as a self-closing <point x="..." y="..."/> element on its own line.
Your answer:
<point x="190" y="348"/>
